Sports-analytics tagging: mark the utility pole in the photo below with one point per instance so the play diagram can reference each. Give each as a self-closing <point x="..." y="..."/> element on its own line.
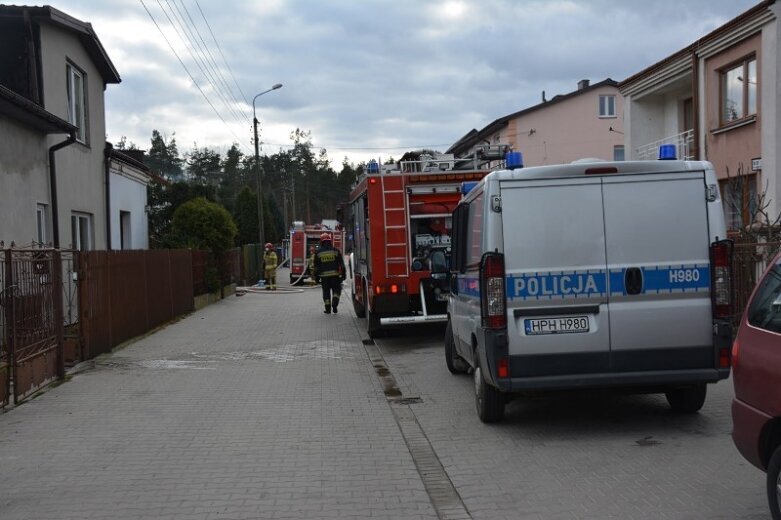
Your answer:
<point x="257" y="164"/>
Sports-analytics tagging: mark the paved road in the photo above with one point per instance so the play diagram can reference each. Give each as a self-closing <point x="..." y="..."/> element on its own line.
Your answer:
<point x="263" y="407"/>
<point x="577" y="455"/>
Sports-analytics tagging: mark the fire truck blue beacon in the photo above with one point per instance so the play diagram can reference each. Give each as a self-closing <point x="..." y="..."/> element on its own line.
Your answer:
<point x="590" y="274"/>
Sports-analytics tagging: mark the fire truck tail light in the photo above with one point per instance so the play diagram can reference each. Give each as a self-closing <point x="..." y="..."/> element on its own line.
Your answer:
<point x="372" y="181"/>
<point x="394" y="288"/>
<point x="493" y="293"/>
<point x="721" y="278"/>
<point x="390" y="288"/>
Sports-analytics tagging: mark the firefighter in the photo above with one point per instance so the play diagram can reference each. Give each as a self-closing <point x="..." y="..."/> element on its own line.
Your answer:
<point x="329" y="271"/>
<point x="270" y="267"/>
<point x="310" y="262"/>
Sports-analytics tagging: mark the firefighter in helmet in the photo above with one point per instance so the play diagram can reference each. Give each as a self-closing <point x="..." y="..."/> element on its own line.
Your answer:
<point x="270" y="267"/>
<point x="329" y="271"/>
<point x="310" y="262"/>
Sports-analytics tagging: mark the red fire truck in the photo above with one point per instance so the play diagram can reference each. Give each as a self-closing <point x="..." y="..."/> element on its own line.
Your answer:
<point x="398" y="222"/>
<point x="302" y="237"/>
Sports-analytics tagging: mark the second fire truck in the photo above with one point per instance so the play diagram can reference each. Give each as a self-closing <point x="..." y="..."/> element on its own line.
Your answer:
<point x="398" y="223"/>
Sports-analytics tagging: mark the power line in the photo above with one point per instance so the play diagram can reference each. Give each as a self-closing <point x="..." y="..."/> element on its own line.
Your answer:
<point x="203" y="68"/>
<point x="221" y="54"/>
<point x="188" y="71"/>
<point x="380" y="148"/>
<point x="216" y="68"/>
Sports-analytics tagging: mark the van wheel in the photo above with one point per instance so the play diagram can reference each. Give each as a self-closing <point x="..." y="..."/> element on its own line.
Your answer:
<point x="688" y="399"/>
<point x="774" y="484"/>
<point x="360" y="309"/>
<point x="455" y="363"/>
<point x="489" y="400"/>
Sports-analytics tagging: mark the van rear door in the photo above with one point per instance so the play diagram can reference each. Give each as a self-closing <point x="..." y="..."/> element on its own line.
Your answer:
<point x="553" y="237"/>
<point x="656" y="229"/>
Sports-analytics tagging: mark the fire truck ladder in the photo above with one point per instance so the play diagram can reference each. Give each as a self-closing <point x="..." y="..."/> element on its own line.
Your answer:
<point x="394" y="204"/>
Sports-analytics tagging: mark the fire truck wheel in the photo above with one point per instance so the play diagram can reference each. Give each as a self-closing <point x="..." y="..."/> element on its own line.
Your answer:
<point x="373" y="324"/>
<point x="455" y="363"/>
<point x="360" y="309"/>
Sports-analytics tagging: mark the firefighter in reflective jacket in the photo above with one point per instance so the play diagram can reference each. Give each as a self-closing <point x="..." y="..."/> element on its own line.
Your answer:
<point x="329" y="271"/>
<point x="270" y="267"/>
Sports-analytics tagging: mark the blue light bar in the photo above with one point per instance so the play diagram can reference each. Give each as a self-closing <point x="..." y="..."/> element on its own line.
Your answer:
<point x="372" y="167"/>
<point x="466" y="187"/>
<point x="513" y="160"/>
<point x="667" y="152"/>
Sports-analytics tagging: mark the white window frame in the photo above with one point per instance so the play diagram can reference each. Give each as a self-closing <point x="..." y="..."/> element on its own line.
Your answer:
<point x="125" y="236"/>
<point x="77" y="101"/>
<point x="82" y="231"/>
<point x="607" y="106"/>
<point x="42" y="223"/>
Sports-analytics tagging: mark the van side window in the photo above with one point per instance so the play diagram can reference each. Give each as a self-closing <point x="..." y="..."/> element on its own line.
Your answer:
<point x="458" y="245"/>
<point x="765" y="310"/>
<point x="475" y="231"/>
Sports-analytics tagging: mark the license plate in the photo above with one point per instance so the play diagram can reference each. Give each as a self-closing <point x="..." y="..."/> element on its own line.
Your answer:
<point x="563" y="325"/>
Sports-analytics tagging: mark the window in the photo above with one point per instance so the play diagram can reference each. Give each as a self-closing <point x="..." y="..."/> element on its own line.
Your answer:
<point x="739" y="197"/>
<point x="739" y="91"/>
<point x="765" y="309"/>
<point x="40" y="213"/>
<point x="607" y="106"/>
<point x="124" y="230"/>
<point x="618" y="152"/>
<point x="81" y="231"/>
<point x="77" y="102"/>
<point x="475" y="231"/>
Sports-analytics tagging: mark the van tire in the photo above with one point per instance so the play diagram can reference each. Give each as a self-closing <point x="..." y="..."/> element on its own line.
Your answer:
<point x="687" y="399"/>
<point x="489" y="400"/>
<point x="360" y="310"/>
<point x="774" y="484"/>
<point x="455" y="363"/>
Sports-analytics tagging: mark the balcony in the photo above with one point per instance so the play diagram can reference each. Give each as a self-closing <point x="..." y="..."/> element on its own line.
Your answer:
<point x="684" y="146"/>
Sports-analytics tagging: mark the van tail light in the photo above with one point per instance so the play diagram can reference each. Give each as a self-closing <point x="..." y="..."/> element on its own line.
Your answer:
<point x="735" y="352"/>
<point x="721" y="278"/>
<point x="493" y="305"/>
<point x="503" y="367"/>
<point x="724" y="358"/>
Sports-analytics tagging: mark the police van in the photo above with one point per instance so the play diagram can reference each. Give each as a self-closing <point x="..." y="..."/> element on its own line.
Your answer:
<point x="591" y="275"/>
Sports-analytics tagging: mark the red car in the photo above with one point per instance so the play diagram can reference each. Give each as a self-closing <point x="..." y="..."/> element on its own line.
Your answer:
<point x="756" y="369"/>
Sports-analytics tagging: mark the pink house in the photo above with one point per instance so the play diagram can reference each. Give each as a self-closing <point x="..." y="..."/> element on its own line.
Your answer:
<point x="587" y="122"/>
<point x="717" y="100"/>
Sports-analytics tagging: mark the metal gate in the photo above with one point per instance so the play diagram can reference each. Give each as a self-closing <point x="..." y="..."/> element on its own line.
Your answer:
<point x="32" y="322"/>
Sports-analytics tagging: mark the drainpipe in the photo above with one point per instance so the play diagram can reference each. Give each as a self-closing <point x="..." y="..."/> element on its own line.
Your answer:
<point x="53" y="186"/>
<point x="107" y="155"/>
<point x="696" y="106"/>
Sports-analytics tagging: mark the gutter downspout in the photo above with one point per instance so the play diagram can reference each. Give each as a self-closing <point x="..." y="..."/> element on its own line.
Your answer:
<point x="696" y="105"/>
<point x="107" y="155"/>
<point x="53" y="186"/>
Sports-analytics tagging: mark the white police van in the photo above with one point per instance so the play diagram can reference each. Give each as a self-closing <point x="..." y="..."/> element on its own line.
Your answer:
<point x="591" y="275"/>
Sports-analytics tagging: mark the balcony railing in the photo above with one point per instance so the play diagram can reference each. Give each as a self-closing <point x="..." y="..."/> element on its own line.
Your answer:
<point x="684" y="146"/>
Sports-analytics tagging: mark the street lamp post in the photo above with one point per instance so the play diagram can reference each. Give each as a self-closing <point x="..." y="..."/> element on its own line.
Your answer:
<point x="257" y="163"/>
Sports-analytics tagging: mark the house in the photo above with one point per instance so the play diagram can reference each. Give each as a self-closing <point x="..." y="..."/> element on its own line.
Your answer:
<point x="53" y="69"/>
<point x="128" y="179"/>
<point x="587" y="122"/>
<point x="717" y="100"/>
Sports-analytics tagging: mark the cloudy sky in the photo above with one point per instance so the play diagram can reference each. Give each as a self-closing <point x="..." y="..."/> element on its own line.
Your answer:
<point x="368" y="78"/>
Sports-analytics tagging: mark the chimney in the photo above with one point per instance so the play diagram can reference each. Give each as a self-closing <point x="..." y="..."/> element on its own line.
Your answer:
<point x="583" y="84"/>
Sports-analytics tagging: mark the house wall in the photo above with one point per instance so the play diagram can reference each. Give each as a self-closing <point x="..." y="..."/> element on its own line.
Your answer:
<point x="568" y="130"/>
<point x="128" y="194"/>
<point x="24" y="182"/>
<point x="770" y="71"/>
<point x="80" y="167"/>
<point x="728" y="149"/>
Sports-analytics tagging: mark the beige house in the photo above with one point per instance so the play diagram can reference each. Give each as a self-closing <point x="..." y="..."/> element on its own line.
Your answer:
<point x="58" y="64"/>
<point x="585" y="123"/>
<point x="717" y="100"/>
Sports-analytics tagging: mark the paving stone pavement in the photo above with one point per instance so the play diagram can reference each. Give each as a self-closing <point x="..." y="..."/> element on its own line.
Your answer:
<point x="259" y="406"/>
